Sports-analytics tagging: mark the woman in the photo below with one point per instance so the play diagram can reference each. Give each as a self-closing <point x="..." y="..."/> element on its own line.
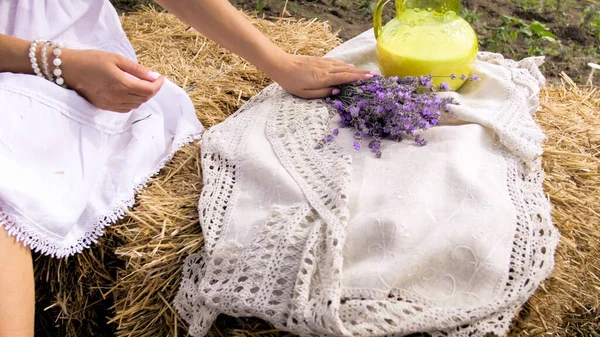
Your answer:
<point x="72" y="157"/>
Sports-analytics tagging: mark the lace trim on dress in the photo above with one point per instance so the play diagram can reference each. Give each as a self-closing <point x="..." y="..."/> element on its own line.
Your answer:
<point x="30" y="236"/>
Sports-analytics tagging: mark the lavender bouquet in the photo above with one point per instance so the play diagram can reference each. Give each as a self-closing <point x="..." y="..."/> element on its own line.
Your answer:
<point x="390" y="108"/>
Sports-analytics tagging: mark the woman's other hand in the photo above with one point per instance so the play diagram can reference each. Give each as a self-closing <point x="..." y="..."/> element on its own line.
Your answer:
<point x="109" y="81"/>
<point x="315" y="77"/>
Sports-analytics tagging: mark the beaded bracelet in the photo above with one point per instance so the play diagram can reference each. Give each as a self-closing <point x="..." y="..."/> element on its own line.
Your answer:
<point x="45" y="66"/>
<point x="33" y="58"/>
<point x="57" y="63"/>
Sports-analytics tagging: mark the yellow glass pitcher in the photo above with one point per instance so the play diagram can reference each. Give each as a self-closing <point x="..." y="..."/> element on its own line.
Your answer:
<point x="427" y="37"/>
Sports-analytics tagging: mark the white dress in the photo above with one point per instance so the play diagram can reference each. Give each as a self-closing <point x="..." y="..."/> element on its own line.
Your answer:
<point x="68" y="169"/>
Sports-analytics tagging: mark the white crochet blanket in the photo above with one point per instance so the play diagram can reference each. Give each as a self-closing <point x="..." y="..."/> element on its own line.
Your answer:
<point x="449" y="239"/>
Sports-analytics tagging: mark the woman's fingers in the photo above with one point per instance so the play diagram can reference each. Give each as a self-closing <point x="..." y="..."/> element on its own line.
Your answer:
<point x="130" y="106"/>
<point x="142" y="87"/>
<point x="316" y="93"/>
<point x="124" y="108"/>
<point x="334" y="79"/>
<point x="340" y="72"/>
<point x="142" y="82"/>
<point x="136" y="69"/>
<point x="336" y="62"/>
<point x="346" y="69"/>
<point x="134" y="98"/>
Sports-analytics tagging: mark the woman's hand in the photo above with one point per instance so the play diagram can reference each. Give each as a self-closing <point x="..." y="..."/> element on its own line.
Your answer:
<point x="109" y="81"/>
<point x="315" y="77"/>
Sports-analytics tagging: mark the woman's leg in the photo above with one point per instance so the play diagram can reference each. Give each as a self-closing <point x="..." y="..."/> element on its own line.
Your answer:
<point x="17" y="299"/>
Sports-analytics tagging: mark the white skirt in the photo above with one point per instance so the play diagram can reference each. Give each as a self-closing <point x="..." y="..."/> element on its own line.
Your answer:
<point x="68" y="169"/>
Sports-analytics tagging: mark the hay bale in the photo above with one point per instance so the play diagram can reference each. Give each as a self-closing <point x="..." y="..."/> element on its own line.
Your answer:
<point x="130" y="279"/>
<point x="568" y="303"/>
<point x="73" y="295"/>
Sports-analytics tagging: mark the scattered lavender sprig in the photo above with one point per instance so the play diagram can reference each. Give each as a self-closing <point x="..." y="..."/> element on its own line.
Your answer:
<point x="389" y="108"/>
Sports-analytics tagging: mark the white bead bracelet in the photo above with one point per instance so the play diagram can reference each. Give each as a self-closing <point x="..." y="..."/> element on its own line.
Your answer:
<point x="33" y="57"/>
<point x="56" y="75"/>
<point x="57" y="63"/>
<point x="45" y="66"/>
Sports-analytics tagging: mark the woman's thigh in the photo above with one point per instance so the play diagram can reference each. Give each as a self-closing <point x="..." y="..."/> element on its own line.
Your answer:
<point x="16" y="288"/>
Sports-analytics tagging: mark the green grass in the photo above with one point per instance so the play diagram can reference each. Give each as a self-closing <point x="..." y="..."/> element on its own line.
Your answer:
<point x="471" y="17"/>
<point x="590" y="19"/>
<point x="538" y="38"/>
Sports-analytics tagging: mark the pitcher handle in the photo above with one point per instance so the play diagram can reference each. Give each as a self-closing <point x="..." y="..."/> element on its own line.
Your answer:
<point x="377" y="16"/>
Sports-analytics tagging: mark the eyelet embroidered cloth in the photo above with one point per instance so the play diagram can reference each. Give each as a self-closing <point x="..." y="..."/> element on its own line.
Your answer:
<point x="68" y="169"/>
<point x="449" y="239"/>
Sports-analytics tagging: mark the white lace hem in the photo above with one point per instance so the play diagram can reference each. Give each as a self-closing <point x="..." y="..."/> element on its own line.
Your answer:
<point x="37" y="241"/>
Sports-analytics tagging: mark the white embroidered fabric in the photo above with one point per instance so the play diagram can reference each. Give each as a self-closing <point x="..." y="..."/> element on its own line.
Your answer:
<point x="67" y="168"/>
<point x="448" y="239"/>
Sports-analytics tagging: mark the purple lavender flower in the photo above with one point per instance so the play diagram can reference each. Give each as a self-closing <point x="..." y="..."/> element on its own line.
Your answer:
<point x="444" y="86"/>
<point x="388" y="108"/>
<point x="374" y="145"/>
<point x="370" y="88"/>
<point x="463" y="77"/>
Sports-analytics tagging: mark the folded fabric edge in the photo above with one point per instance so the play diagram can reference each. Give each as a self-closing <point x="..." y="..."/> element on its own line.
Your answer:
<point x="32" y="238"/>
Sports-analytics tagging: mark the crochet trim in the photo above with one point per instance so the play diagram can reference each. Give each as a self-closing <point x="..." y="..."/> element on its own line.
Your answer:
<point x="39" y="242"/>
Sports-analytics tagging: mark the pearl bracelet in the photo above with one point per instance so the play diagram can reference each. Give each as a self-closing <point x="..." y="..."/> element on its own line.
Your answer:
<point x="33" y="58"/>
<point x="57" y="63"/>
<point x="45" y="66"/>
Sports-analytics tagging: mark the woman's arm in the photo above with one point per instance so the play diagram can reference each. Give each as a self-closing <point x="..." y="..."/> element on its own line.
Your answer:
<point x="100" y="77"/>
<point x="14" y="55"/>
<point x="303" y="76"/>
